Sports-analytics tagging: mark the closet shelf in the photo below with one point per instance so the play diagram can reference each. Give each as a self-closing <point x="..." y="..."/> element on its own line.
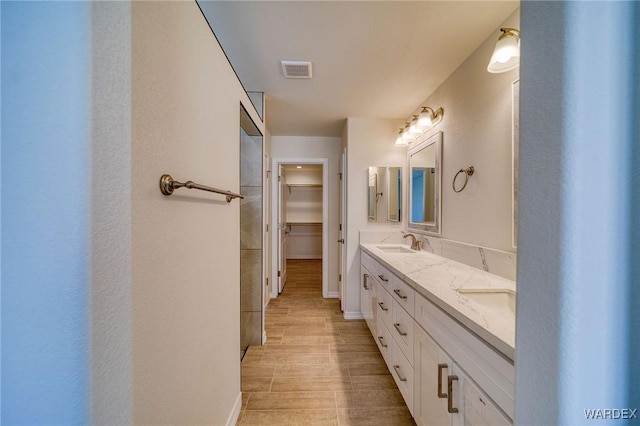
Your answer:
<point x="304" y="185"/>
<point x="304" y="223"/>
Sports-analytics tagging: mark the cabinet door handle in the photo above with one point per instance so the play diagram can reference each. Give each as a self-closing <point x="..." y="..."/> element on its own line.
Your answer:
<point x="364" y="281"/>
<point x="402" y="379"/>
<point x="383" y="278"/>
<point x="450" y="406"/>
<point x="382" y="342"/>
<point x="397" y="291"/>
<point x="440" y="368"/>
<point x="400" y="332"/>
<point x="382" y="306"/>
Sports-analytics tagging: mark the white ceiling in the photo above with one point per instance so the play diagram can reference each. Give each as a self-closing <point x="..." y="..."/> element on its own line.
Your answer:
<point x="373" y="59"/>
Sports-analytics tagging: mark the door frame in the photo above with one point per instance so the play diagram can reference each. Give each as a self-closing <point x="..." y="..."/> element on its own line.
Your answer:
<point x="275" y="205"/>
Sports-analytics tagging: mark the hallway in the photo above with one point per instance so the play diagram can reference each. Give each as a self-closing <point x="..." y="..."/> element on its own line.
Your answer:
<point x="316" y="367"/>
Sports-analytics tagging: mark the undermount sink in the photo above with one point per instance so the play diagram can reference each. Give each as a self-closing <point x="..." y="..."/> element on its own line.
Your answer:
<point x="398" y="248"/>
<point x="497" y="300"/>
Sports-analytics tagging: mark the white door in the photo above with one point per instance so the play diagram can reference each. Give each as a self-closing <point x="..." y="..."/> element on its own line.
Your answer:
<point x="267" y="233"/>
<point x="282" y="227"/>
<point x="342" y="253"/>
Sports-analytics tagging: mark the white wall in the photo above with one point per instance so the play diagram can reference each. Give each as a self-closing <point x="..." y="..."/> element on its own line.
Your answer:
<point x="185" y="248"/>
<point x="578" y="258"/>
<point x="46" y="207"/>
<point x="318" y="147"/>
<point x="120" y="305"/>
<point x="477" y="131"/>
<point x="369" y="142"/>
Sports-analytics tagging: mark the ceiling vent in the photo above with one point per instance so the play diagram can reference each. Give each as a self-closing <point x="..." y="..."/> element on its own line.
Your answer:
<point x="296" y="69"/>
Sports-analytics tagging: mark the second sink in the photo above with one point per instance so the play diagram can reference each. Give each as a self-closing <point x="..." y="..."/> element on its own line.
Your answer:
<point x="492" y="299"/>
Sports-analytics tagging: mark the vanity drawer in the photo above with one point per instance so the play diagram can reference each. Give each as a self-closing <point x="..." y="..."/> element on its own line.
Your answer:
<point x="384" y="341"/>
<point x="402" y="330"/>
<point x="402" y="373"/>
<point x="369" y="263"/>
<point x="385" y="277"/>
<point x="385" y="305"/>
<point x="403" y="293"/>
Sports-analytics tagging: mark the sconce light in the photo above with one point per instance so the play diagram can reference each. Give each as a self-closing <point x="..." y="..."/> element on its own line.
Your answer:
<point x="418" y="125"/>
<point x="506" y="54"/>
<point x="400" y="140"/>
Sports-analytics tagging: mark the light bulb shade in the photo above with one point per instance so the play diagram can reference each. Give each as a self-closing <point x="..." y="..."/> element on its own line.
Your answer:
<point x="425" y="121"/>
<point x="400" y="142"/>
<point x="506" y="55"/>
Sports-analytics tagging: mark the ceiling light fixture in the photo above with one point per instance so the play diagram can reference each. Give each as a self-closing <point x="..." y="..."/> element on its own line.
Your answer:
<point x="418" y="125"/>
<point x="506" y="54"/>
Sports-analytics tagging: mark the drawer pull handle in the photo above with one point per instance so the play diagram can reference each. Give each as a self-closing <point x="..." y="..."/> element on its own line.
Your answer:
<point x="440" y="368"/>
<point x="397" y="291"/>
<point x="382" y="306"/>
<point x="402" y="379"/>
<point x="450" y="406"/>
<point x="365" y="277"/>
<point x="382" y="342"/>
<point x="400" y="332"/>
<point x="383" y="278"/>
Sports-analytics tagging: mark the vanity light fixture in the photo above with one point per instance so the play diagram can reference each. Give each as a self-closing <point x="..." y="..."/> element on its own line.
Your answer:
<point x="418" y="125"/>
<point x="506" y="54"/>
<point x="400" y="140"/>
<point x="428" y="118"/>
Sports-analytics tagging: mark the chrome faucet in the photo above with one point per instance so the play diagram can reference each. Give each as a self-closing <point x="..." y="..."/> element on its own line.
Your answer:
<point x="416" y="244"/>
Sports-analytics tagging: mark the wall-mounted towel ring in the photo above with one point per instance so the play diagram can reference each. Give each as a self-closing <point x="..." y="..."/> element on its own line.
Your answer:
<point x="467" y="172"/>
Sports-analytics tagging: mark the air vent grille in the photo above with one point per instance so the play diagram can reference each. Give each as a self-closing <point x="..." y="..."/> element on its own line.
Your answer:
<point x="296" y="69"/>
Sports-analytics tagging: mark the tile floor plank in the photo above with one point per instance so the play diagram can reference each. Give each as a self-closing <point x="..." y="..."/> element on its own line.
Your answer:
<point x="316" y="368"/>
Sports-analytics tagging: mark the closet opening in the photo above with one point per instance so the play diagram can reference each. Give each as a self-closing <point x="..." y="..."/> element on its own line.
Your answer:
<point x="300" y="216"/>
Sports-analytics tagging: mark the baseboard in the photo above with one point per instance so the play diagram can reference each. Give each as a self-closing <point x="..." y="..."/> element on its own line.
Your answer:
<point x="235" y="413"/>
<point x="353" y="315"/>
<point x="332" y="295"/>
<point x="264" y="337"/>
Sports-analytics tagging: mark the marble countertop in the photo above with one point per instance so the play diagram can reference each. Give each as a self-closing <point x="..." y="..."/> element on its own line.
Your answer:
<point x="439" y="279"/>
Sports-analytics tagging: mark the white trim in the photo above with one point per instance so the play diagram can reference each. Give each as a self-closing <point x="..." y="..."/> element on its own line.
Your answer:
<point x="352" y="315"/>
<point x="264" y="337"/>
<point x="333" y="294"/>
<point x="235" y="413"/>
<point x="276" y="162"/>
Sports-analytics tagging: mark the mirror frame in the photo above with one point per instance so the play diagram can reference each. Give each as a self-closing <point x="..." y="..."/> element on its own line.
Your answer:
<point x="434" y="227"/>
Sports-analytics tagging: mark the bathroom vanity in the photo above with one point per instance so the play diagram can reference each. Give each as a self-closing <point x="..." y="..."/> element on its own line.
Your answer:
<point x="446" y="331"/>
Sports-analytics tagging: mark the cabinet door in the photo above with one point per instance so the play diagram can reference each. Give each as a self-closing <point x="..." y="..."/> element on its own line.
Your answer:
<point x="365" y="297"/>
<point x="431" y="367"/>
<point x="476" y="409"/>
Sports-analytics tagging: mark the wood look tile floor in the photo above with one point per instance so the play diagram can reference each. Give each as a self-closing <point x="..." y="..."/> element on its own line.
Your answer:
<point x="316" y="368"/>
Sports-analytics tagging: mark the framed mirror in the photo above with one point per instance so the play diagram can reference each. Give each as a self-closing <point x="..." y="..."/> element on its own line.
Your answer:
<point x="425" y="177"/>
<point x="384" y="198"/>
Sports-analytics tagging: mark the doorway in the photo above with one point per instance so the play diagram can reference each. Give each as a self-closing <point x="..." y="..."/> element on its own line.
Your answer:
<point x="300" y="212"/>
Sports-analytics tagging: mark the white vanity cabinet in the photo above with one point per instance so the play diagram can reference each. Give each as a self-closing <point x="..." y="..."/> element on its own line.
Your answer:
<point x="394" y="324"/>
<point x="446" y="374"/>
<point x="444" y="394"/>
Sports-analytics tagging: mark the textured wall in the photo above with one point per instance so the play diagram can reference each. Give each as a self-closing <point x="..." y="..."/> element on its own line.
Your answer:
<point x="46" y="199"/>
<point x="477" y="131"/>
<point x="186" y="248"/>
